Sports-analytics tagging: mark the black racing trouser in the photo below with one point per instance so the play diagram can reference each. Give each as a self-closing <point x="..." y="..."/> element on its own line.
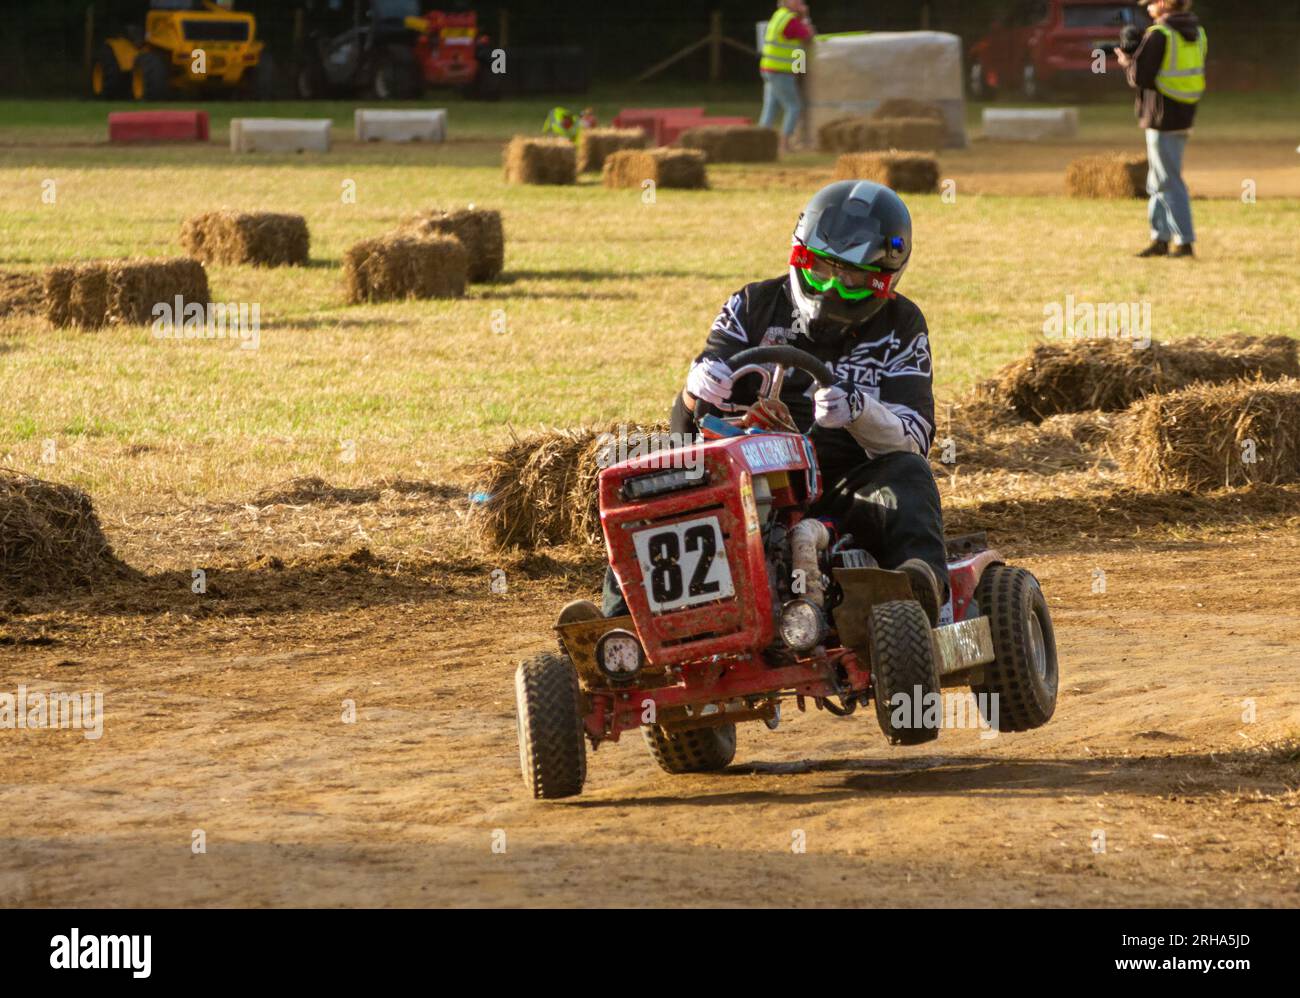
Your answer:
<point x="890" y="504"/>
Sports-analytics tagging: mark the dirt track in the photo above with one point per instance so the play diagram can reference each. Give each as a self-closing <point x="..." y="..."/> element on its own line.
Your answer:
<point x="231" y="724"/>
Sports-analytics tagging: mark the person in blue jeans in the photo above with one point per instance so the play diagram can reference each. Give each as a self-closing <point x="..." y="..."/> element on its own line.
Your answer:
<point x="1168" y="72"/>
<point x="783" y="58"/>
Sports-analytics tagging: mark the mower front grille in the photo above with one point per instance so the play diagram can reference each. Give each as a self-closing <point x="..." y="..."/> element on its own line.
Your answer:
<point x="215" y="31"/>
<point x="701" y="636"/>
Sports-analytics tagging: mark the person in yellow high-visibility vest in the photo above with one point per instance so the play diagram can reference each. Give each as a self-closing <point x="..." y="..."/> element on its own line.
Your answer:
<point x="563" y="123"/>
<point x="783" y="59"/>
<point x="1168" y="72"/>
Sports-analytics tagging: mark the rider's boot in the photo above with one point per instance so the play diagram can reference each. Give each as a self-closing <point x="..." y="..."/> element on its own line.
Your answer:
<point x="925" y="587"/>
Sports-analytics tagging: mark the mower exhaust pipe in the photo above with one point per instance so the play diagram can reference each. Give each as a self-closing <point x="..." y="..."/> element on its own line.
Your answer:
<point x="807" y="540"/>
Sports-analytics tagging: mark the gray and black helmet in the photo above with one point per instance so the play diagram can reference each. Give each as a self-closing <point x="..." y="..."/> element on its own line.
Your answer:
<point x="849" y="226"/>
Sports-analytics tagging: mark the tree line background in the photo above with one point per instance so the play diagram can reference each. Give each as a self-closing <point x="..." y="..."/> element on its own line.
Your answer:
<point x="42" y="42"/>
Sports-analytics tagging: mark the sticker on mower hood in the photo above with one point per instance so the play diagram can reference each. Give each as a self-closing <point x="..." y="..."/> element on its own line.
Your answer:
<point x="764" y="453"/>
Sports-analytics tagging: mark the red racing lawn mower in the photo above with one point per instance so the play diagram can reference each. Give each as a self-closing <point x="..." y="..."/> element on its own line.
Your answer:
<point x="740" y="601"/>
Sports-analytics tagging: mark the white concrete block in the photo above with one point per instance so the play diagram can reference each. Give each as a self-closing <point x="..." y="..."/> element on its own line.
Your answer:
<point x="374" y="125"/>
<point x="1031" y="124"/>
<point x="280" y="135"/>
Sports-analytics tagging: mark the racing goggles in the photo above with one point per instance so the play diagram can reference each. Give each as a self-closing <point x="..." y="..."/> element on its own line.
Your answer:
<point x="853" y="283"/>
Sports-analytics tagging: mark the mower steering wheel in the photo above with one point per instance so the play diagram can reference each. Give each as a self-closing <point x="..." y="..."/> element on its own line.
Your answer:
<point x="750" y="361"/>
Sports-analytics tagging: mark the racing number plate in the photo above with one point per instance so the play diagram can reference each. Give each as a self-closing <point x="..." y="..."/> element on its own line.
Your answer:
<point x="683" y="564"/>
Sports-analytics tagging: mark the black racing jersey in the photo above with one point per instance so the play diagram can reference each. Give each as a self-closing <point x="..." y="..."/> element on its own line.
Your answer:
<point x="888" y="357"/>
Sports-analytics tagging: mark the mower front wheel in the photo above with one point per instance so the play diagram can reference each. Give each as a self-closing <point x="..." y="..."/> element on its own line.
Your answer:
<point x="107" y="80"/>
<point x="978" y="83"/>
<point x="552" y="749"/>
<point x="1024" y="675"/>
<point x="697" y="750"/>
<point x="904" y="677"/>
<point x="149" y="76"/>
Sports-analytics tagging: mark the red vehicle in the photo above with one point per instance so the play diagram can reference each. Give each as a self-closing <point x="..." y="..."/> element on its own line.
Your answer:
<point x="445" y="48"/>
<point x="740" y="602"/>
<point x="1045" y="45"/>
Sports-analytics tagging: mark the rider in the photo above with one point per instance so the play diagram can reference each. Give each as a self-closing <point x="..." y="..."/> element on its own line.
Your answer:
<point x="873" y="428"/>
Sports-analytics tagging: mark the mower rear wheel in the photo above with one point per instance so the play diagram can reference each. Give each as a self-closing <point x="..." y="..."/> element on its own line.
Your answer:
<point x="903" y="666"/>
<point x="1024" y="675"/>
<point x="310" y="79"/>
<point x="107" y="80"/>
<point x="263" y="78"/>
<point x="552" y="749"/>
<point x="149" y="76"/>
<point x="697" y="750"/>
<point x="397" y="76"/>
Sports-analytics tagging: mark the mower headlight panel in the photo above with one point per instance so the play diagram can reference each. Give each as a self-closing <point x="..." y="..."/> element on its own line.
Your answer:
<point x="662" y="482"/>
<point x="802" y="625"/>
<point x="619" y="654"/>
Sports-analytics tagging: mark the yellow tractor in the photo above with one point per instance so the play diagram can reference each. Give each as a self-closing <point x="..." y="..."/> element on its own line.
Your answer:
<point x="187" y="46"/>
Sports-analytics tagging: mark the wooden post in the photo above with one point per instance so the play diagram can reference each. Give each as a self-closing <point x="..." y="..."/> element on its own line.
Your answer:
<point x="503" y="28"/>
<point x="89" y="54"/>
<point x="925" y="16"/>
<point x="715" y="46"/>
<point x="714" y="40"/>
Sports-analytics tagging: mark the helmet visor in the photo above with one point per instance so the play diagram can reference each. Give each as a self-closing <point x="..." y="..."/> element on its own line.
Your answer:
<point x="853" y="283"/>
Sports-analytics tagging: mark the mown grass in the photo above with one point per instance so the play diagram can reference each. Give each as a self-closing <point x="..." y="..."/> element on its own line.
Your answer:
<point x="605" y="300"/>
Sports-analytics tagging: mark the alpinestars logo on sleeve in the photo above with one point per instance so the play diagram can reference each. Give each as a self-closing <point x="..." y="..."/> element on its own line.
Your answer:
<point x="869" y="363"/>
<point x="728" y="321"/>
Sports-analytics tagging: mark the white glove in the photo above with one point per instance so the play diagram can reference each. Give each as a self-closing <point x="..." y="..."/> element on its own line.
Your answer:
<point x="837" y="406"/>
<point x="710" y="380"/>
<point x="868" y="421"/>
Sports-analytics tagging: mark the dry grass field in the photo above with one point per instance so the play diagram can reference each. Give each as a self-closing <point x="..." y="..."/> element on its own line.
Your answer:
<point x="321" y="481"/>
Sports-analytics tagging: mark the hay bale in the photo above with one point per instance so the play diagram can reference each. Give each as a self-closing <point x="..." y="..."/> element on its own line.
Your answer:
<point x="847" y="133"/>
<point x="540" y="161"/>
<point x="88" y="298"/>
<point x="262" y="238"/>
<point x="136" y="286"/>
<point x="856" y="133"/>
<point x="541" y="490"/>
<point x="120" y="292"/>
<point x="50" y="537"/>
<point x="1209" y="436"/>
<point x="906" y="107"/>
<point x="479" y="231"/>
<point x="595" y="145"/>
<point x="76" y="295"/>
<point x="1060" y="444"/>
<point x="907" y="172"/>
<point x="1111" y="374"/>
<point x="544" y="489"/>
<point x="733" y="143"/>
<point x="21" y="293"/>
<point x="394" y="267"/>
<point x="57" y="290"/>
<point x="909" y="133"/>
<point x="1116" y="176"/>
<point x="683" y="168"/>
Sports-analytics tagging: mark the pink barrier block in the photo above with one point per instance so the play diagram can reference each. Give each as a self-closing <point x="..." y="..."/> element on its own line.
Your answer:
<point x="651" y="120"/>
<point x="672" y="128"/>
<point x="158" y="126"/>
